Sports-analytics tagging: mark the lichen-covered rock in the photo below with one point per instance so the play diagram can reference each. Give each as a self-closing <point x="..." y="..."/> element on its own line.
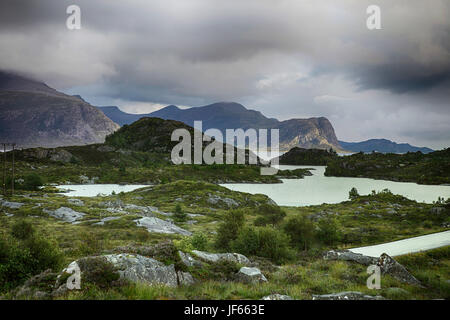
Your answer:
<point x="153" y="224"/>
<point x="65" y="214"/>
<point x="188" y="260"/>
<point x="250" y="275"/>
<point x="137" y="268"/>
<point x="39" y="286"/>
<point x="215" y="257"/>
<point x="348" y="295"/>
<point x="185" y="278"/>
<point x="277" y="296"/>
<point x="346" y="255"/>
<point x="215" y="199"/>
<point x="11" y="205"/>
<point x="76" y="202"/>
<point x="389" y="266"/>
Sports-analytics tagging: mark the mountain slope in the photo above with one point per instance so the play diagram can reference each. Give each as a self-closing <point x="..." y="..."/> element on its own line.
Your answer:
<point x="33" y="114"/>
<point x="305" y="133"/>
<point x="383" y="146"/>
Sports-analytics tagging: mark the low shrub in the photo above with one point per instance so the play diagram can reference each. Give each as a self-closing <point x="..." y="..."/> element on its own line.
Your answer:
<point x="265" y="242"/>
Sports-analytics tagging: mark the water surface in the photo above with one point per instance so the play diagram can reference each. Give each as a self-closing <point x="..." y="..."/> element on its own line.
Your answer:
<point x="318" y="189"/>
<point x="92" y="190"/>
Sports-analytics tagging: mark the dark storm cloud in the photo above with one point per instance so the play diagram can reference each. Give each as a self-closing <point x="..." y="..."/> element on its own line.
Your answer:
<point x="401" y="78"/>
<point x="286" y="58"/>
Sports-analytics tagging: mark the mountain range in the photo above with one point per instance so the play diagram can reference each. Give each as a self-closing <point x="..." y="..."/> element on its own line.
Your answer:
<point x="305" y="133"/>
<point x="33" y="114"/>
<point x="382" y="146"/>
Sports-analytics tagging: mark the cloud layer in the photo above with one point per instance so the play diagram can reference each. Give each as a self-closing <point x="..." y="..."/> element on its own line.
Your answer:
<point x="286" y="58"/>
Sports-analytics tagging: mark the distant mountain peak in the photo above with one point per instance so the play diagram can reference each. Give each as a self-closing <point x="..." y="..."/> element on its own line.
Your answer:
<point x="10" y="81"/>
<point x="382" y="146"/>
<point x="36" y="115"/>
<point x="307" y="133"/>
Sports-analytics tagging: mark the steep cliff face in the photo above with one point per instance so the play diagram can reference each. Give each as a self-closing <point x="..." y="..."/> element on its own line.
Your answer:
<point x="308" y="133"/>
<point x="33" y="114"/>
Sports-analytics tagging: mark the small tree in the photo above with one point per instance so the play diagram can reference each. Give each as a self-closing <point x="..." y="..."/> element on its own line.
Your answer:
<point x="179" y="215"/>
<point x="301" y="231"/>
<point x="229" y="229"/>
<point x="199" y="241"/>
<point x="353" y="194"/>
<point x="33" y="182"/>
<point x="269" y="214"/>
<point x="329" y="231"/>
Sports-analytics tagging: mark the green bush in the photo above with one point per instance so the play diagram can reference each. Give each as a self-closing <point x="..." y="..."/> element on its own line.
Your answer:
<point x="98" y="271"/>
<point x="329" y="231"/>
<point x="229" y="229"/>
<point x="264" y="242"/>
<point x="199" y="241"/>
<point x="22" y="258"/>
<point x="269" y="215"/>
<point x="32" y="182"/>
<point x="353" y="194"/>
<point x="22" y="230"/>
<point x="179" y="215"/>
<point x="300" y="229"/>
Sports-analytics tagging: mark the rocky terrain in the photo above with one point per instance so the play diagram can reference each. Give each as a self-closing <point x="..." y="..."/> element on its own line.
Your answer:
<point x="33" y="114"/>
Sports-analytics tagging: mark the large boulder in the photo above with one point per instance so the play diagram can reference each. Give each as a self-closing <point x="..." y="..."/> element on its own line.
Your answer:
<point x="188" y="260"/>
<point x="348" y="295"/>
<point x="389" y="266"/>
<point x="136" y="268"/>
<point x="65" y="214"/>
<point x="250" y="275"/>
<point x="153" y="224"/>
<point x="130" y="267"/>
<point x="215" y="257"/>
<point x="386" y="263"/>
<point x="347" y="255"/>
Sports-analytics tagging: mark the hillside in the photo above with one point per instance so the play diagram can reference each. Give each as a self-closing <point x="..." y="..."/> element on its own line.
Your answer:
<point x="33" y="114"/>
<point x="431" y="168"/>
<point x="305" y="133"/>
<point x="313" y="157"/>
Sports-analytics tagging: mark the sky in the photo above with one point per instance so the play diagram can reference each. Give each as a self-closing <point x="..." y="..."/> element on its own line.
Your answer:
<point x="285" y="58"/>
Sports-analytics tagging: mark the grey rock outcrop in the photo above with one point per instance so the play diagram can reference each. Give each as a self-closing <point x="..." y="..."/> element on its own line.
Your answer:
<point x="11" y="205"/>
<point x="188" y="260"/>
<point x="250" y="275"/>
<point x="215" y="257"/>
<point x="389" y="266"/>
<point x="65" y="214"/>
<point x="185" y="278"/>
<point x="40" y="286"/>
<point x="348" y="295"/>
<point x="215" y="199"/>
<point x="137" y="268"/>
<point x="153" y="224"/>
<point x="277" y="296"/>
<point x="347" y="255"/>
<point x="76" y="202"/>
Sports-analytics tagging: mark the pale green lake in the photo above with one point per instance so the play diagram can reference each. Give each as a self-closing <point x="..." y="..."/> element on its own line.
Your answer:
<point x="318" y="189"/>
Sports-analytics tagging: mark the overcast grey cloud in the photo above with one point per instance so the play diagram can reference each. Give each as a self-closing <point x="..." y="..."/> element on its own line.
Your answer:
<point x="286" y="58"/>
